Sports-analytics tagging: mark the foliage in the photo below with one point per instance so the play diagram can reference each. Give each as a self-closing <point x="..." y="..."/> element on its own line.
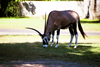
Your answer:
<point x="9" y="8"/>
<point x="54" y="0"/>
<point x="12" y="9"/>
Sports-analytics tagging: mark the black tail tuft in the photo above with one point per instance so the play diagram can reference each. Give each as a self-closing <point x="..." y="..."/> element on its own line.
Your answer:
<point x="81" y="29"/>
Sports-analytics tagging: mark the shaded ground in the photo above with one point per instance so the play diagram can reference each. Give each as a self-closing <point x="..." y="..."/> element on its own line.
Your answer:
<point x="44" y="64"/>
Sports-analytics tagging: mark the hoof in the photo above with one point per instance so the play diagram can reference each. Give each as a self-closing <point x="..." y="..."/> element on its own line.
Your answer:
<point x="56" y="46"/>
<point x="51" y="45"/>
<point x="68" y="46"/>
<point x="75" y="46"/>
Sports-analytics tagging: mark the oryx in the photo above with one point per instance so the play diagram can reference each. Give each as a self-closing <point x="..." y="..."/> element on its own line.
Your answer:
<point x="61" y="20"/>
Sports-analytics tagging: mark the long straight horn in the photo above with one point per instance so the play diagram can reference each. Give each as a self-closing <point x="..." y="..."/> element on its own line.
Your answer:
<point x="45" y="25"/>
<point x="34" y="30"/>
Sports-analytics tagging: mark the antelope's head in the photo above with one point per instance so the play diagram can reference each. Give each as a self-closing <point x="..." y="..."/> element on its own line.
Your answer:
<point x="45" y="37"/>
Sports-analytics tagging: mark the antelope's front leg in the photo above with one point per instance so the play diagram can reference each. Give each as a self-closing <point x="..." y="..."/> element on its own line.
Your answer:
<point x="58" y="32"/>
<point x="52" y="38"/>
<point x="57" y="41"/>
<point x="76" y="41"/>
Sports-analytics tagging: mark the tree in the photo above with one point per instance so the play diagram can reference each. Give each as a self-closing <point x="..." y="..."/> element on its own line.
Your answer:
<point x="27" y="9"/>
<point x="90" y="9"/>
<point x="9" y="8"/>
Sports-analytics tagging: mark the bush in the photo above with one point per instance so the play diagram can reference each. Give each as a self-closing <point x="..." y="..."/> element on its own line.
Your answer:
<point x="9" y="8"/>
<point x="12" y="9"/>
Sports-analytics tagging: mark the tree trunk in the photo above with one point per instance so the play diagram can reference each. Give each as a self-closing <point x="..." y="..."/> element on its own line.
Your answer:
<point x="90" y="9"/>
<point x="86" y="8"/>
<point x="24" y="11"/>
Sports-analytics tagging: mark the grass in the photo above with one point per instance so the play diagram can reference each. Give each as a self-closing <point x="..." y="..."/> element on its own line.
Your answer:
<point x="21" y="23"/>
<point x="88" y="20"/>
<point x="30" y="48"/>
<point x="90" y="25"/>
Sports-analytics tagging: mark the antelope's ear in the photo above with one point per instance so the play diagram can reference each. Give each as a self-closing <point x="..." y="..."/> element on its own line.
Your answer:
<point x="35" y="30"/>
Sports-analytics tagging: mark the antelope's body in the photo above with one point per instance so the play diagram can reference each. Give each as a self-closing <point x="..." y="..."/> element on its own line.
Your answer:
<point x="61" y="20"/>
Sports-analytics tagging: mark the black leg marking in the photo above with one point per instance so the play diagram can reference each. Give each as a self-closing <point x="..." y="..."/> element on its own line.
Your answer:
<point x="72" y="34"/>
<point x="52" y="38"/>
<point x="58" y="32"/>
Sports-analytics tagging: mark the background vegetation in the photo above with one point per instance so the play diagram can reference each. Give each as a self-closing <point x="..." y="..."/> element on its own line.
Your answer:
<point x="9" y="8"/>
<point x="12" y="8"/>
<point x="54" y="0"/>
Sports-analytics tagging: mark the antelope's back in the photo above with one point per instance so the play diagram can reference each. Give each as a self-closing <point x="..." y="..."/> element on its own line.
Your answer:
<point x="60" y="19"/>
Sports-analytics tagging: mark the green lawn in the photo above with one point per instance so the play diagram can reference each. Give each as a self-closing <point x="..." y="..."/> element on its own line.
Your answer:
<point x="30" y="48"/>
<point x="21" y="23"/>
<point x="91" y="25"/>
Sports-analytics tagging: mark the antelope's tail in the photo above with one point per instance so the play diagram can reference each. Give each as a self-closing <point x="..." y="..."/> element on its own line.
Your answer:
<point x="81" y="29"/>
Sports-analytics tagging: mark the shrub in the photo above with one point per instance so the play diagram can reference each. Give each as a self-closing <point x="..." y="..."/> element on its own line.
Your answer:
<point x="9" y="8"/>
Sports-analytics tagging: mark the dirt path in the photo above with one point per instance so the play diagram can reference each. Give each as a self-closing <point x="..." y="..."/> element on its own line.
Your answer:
<point x="44" y="64"/>
<point x="31" y="32"/>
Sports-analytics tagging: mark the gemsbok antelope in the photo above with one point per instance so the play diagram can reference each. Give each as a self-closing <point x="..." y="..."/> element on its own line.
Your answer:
<point x="61" y="20"/>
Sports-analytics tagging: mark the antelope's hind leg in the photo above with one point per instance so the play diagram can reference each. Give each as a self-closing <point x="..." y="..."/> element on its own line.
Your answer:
<point x="76" y="34"/>
<point x="72" y="35"/>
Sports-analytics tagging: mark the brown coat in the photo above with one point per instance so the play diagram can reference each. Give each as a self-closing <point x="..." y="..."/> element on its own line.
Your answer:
<point x="60" y="20"/>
